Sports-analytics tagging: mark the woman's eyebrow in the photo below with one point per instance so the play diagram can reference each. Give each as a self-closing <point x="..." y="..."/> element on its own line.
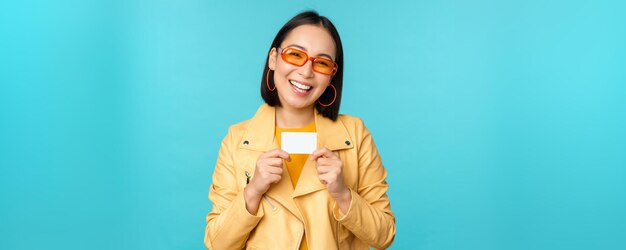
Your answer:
<point x="303" y="48"/>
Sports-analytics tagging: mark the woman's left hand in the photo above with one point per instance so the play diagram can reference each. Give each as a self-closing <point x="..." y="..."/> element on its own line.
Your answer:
<point x="330" y="172"/>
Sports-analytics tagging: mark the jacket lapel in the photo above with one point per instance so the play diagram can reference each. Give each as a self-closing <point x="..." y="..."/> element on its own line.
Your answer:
<point x="259" y="136"/>
<point x="332" y="135"/>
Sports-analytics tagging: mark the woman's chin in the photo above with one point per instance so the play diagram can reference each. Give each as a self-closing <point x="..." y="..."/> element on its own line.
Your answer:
<point x="298" y="104"/>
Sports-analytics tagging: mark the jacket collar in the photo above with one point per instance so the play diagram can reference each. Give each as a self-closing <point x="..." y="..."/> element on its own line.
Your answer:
<point x="259" y="135"/>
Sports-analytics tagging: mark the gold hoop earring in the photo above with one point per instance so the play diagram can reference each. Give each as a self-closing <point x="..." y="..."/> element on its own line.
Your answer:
<point x="334" y="98"/>
<point x="267" y="81"/>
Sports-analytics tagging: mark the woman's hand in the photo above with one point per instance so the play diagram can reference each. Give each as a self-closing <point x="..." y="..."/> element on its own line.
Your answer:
<point x="269" y="170"/>
<point x="330" y="172"/>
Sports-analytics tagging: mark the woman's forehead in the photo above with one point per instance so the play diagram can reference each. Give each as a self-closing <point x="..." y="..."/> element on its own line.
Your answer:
<point x="311" y="38"/>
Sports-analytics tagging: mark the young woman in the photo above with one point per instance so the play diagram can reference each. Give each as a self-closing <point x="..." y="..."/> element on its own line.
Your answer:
<point x="332" y="198"/>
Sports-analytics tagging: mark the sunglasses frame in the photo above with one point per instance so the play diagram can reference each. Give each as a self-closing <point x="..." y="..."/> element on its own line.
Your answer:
<point x="308" y="58"/>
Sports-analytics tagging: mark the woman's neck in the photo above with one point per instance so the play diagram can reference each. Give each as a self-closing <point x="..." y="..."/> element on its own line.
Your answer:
<point x="294" y="118"/>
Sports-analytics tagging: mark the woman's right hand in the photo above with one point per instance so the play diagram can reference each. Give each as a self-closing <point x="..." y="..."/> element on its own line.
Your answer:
<point x="269" y="170"/>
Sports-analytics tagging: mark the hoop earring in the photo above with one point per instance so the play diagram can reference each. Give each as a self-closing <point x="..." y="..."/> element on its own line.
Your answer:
<point x="334" y="98"/>
<point x="267" y="80"/>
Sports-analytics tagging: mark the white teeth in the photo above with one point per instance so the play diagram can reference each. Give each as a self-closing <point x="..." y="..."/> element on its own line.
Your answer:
<point x="300" y="86"/>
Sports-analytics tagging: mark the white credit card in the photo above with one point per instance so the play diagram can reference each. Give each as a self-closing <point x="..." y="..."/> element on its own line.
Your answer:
<point x="298" y="142"/>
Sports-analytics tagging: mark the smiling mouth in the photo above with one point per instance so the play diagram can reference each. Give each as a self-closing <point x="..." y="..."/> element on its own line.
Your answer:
<point x="300" y="86"/>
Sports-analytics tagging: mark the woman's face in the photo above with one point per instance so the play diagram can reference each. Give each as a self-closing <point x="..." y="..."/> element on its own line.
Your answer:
<point x="299" y="86"/>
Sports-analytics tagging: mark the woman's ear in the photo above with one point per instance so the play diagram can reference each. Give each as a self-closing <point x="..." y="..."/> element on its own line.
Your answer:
<point x="271" y="59"/>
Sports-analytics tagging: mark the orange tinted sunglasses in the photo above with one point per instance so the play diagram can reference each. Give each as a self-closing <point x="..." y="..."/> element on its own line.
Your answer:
<point x="298" y="57"/>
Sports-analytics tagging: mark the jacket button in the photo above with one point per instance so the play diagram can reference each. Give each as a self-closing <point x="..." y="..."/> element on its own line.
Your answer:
<point x="245" y="143"/>
<point x="348" y="143"/>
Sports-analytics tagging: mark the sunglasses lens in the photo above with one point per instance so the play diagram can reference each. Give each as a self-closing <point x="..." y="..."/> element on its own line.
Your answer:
<point x="295" y="57"/>
<point x="324" y="66"/>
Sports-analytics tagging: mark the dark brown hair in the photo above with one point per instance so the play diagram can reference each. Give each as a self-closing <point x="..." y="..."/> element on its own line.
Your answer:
<point x="309" y="17"/>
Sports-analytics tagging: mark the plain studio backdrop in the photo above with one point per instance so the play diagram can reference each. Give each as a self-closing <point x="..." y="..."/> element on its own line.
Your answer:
<point x="501" y="123"/>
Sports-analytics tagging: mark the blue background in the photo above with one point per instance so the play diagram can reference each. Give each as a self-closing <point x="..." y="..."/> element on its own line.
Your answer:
<point x="501" y="123"/>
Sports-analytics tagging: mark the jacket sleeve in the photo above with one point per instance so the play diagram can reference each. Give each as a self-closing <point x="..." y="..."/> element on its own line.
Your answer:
<point x="229" y="223"/>
<point x="369" y="215"/>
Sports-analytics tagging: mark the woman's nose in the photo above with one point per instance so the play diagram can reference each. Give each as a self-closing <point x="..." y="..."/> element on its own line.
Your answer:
<point x="306" y="70"/>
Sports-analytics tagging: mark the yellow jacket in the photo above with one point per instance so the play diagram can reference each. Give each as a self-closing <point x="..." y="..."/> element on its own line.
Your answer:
<point x="284" y="213"/>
